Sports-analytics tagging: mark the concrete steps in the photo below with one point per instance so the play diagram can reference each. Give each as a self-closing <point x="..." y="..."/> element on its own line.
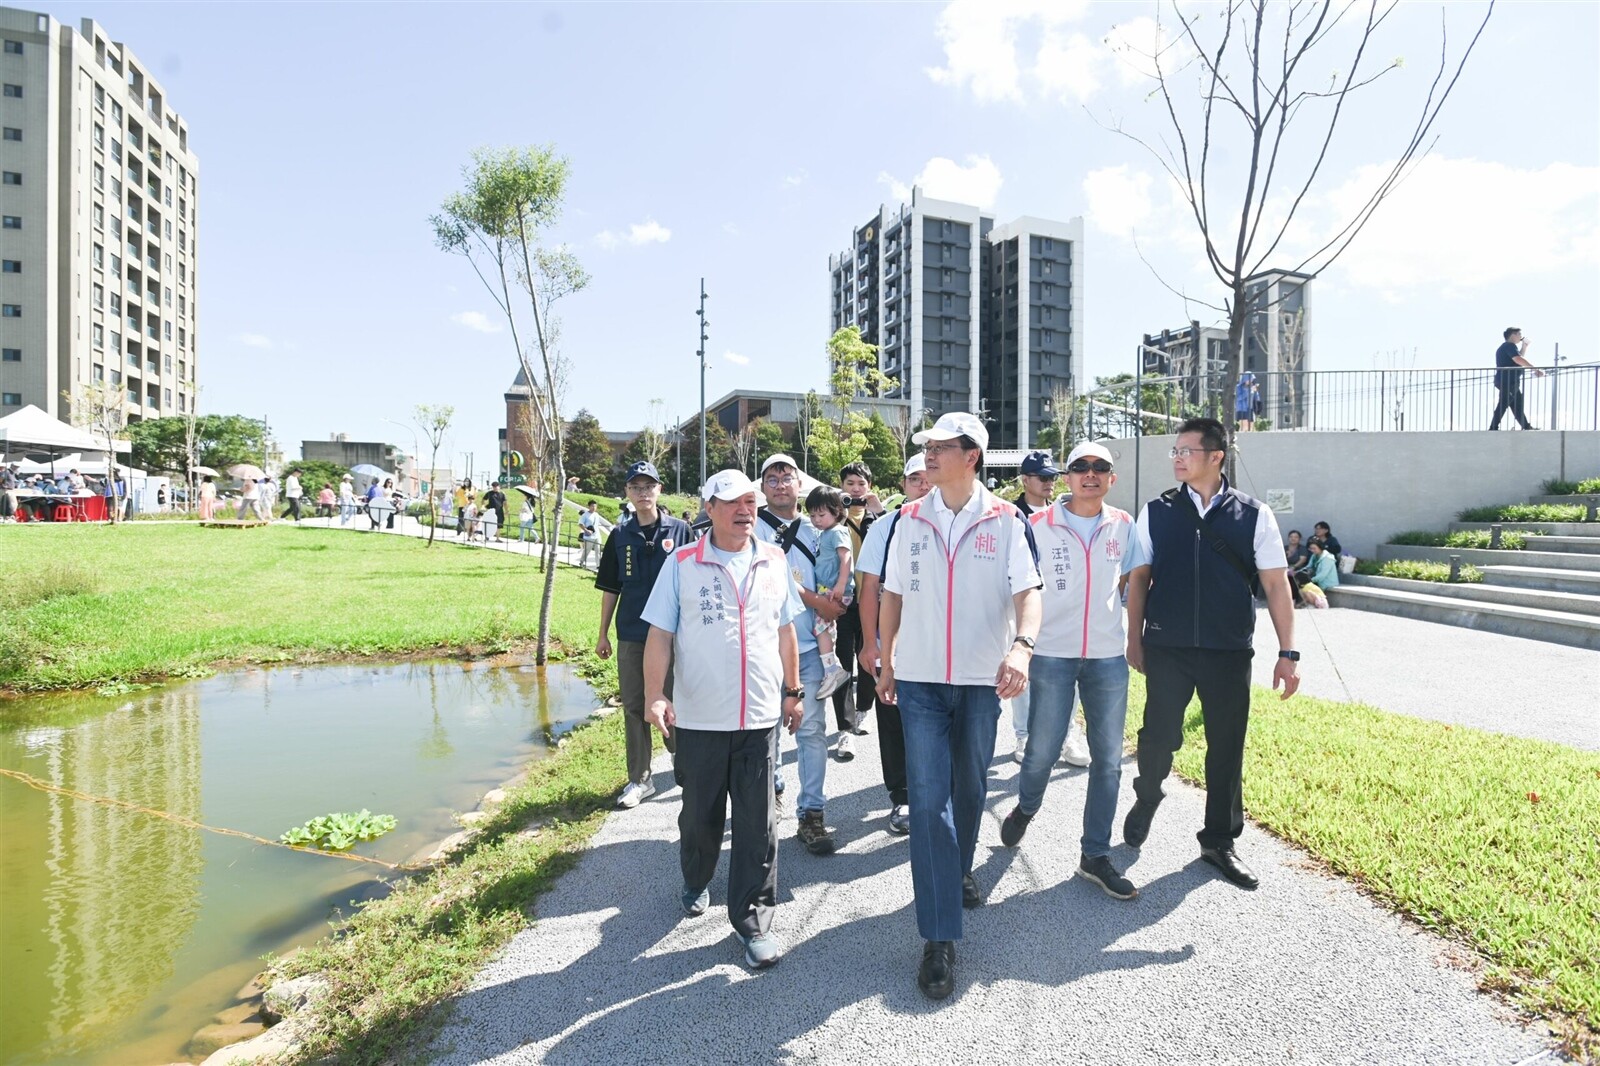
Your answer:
<point x="1481" y="557"/>
<point x="1557" y="627"/>
<point x="1558" y="529"/>
<point x="1536" y="577"/>
<point x="1587" y="603"/>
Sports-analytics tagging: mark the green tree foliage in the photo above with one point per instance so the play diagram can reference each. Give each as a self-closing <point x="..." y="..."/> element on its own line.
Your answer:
<point x="835" y="444"/>
<point x="770" y="440"/>
<point x="220" y="441"/>
<point x="315" y="473"/>
<point x="719" y="454"/>
<point x="883" y="452"/>
<point x="587" y="454"/>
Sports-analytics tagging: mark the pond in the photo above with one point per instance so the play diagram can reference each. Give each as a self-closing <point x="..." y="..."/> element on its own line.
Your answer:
<point x="122" y="933"/>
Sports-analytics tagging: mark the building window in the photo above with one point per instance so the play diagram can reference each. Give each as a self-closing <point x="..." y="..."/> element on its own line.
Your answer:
<point x="99" y="372"/>
<point x="13" y="134"/>
<point x="116" y="113"/>
<point x="1049" y="245"/>
<point x="99" y="98"/>
<point x="116" y="303"/>
<point x="947" y="301"/>
<point x="13" y="178"/>
<point x="13" y="48"/>
<point x="116" y="341"/>
<point x="1047" y="266"/>
<point x="167" y="396"/>
<point x="116" y="377"/>
<point x="167" y="363"/>
<point x="11" y="355"/>
<point x="1049" y="290"/>
<point x="11" y="399"/>
<point x="10" y="266"/>
<point x="180" y="403"/>
<point x="99" y="295"/>
<point x="99" y="336"/>
<point x="10" y="310"/>
<point x="1049" y="337"/>
<point x="99" y="176"/>
<point x="14" y="92"/>
<point x="10" y="222"/>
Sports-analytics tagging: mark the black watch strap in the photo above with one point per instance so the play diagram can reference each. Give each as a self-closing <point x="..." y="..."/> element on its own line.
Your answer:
<point x="1292" y="656"/>
<point x="794" y="693"/>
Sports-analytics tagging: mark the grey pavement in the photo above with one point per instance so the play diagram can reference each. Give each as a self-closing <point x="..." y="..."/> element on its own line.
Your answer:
<point x="1306" y="969"/>
<point x="410" y="527"/>
<point x="1504" y="684"/>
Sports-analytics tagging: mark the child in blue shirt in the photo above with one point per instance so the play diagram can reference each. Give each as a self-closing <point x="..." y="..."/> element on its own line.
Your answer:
<point x="834" y="578"/>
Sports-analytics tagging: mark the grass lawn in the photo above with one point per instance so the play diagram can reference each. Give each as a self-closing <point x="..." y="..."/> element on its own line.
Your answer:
<point x="1490" y="840"/>
<point x="98" y="605"/>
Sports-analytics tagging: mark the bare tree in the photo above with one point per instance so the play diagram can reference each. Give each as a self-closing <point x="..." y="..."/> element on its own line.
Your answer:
<point x="434" y="421"/>
<point x="496" y="223"/>
<point x="1247" y="83"/>
<point x="744" y="445"/>
<point x="1062" y="403"/>
<point x="97" y="406"/>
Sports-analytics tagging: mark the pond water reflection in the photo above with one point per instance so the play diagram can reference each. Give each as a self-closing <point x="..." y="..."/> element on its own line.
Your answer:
<point x="122" y="933"/>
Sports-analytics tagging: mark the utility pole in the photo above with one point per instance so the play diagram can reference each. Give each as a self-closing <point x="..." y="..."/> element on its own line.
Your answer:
<point x="704" y="474"/>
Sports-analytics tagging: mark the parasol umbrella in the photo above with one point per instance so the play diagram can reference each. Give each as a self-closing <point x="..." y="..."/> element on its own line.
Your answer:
<point x="528" y="491"/>
<point x="368" y="470"/>
<point x="246" y="470"/>
<point x="203" y="471"/>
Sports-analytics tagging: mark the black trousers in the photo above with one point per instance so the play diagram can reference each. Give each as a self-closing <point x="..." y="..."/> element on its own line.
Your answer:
<point x="718" y="766"/>
<point x="852" y="702"/>
<point x="892" y="752"/>
<point x="294" y="508"/>
<point x="1510" y="388"/>
<point x="1222" y="678"/>
<point x="640" y="733"/>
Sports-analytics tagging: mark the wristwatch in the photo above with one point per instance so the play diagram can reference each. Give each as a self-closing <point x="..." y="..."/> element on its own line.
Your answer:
<point x="1026" y="642"/>
<point x="1292" y="656"/>
<point x="794" y="693"/>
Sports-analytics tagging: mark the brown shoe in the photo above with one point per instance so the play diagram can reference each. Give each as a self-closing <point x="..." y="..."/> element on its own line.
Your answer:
<point x="814" y="834"/>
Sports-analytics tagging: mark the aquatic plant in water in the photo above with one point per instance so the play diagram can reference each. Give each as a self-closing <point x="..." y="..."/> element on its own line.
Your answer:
<point x="340" y="832"/>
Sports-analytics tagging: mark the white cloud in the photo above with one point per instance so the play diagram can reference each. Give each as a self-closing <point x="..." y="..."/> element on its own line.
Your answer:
<point x="475" y="320"/>
<point x="736" y="358"/>
<point x="976" y="182"/>
<point x="796" y="179"/>
<point x="647" y="232"/>
<point x="730" y="229"/>
<point x="255" y="340"/>
<point x="981" y="39"/>
<point x="1119" y="199"/>
<point x="1140" y="42"/>
<point x="1457" y="224"/>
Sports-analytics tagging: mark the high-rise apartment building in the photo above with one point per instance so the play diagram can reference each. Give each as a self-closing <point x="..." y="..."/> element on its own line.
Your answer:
<point x="968" y="315"/>
<point x="1277" y="343"/>
<point x="1195" y="354"/>
<point x="100" y="221"/>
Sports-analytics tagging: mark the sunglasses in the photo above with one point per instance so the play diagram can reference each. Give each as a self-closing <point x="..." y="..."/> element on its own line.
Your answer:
<point x="1083" y="466"/>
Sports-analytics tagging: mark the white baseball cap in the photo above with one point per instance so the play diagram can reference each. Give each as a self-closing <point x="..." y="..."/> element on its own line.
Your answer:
<point x="917" y="464"/>
<point x="774" y="460"/>
<point x="731" y="485"/>
<point x="1090" y="450"/>
<point x="953" y="425"/>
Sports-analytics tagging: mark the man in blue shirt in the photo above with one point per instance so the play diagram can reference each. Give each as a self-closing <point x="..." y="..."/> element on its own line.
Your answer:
<point x="629" y="563"/>
<point x="1510" y="359"/>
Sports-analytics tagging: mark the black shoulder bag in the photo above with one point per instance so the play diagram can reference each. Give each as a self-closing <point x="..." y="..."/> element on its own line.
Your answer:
<point x="789" y="535"/>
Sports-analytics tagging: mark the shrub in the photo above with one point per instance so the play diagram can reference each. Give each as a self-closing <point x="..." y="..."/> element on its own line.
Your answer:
<point x="1524" y="512"/>
<point x="1557" y="487"/>
<point x="1421" y="570"/>
<point x="1470" y="538"/>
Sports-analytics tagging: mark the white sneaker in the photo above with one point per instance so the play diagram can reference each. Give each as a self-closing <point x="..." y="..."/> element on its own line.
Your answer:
<point x="1022" y="748"/>
<point x="835" y="679"/>
<point x="635" y="794"/>
<point x="1076" y="750"/>
<point x="845" y="749"/>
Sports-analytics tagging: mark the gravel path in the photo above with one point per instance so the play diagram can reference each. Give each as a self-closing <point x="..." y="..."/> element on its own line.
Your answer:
<point x="1194" y="970"/>
<point x="1503" y="684"/>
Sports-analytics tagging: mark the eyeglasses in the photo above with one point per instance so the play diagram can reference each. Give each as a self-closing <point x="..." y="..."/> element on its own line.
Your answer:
<point x="1083" y="466"/>
<point x="643" y="487"/>
<point x="778" y="481"/>
<point x="1184" y="453"/>
<point x="940" y="447"/>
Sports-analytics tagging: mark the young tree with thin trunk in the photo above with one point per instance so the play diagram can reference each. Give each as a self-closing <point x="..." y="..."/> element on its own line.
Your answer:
<point x="97" y="407"/>
<point x="1249" y="81"/>
<point x="434" y="421"/>
<point x="497" y="223"/>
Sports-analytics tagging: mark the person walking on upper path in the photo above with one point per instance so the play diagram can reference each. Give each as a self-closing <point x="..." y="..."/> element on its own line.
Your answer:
<point x="1510" y="360"/>
<point x="1085" y="549"/>
<point x="722" y="620"/>
<point x="891" y="736"/>
<point x="958" y="619"/>
<point x="1039" y="476"/>
<point x="589" y="534"/>
<point x="780" y="522"/>
<point x="638" y="547"/>
<point x="1202" y="547"/>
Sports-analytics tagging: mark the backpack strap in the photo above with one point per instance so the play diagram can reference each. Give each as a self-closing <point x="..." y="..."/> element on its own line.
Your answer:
<point x="1178" y="497"/>
<point x="789" y="535"/>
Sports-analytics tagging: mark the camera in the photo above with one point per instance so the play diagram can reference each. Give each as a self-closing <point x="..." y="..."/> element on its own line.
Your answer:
<point x="855" y="501"/>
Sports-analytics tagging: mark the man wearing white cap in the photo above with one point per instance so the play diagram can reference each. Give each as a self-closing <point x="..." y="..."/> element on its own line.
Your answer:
<point x="957" y="621"/>
<point x="722" y="618"/>
<point x="781" y="523"/>
<point x="869" y="578"/>
<point x="1085" y="549"/>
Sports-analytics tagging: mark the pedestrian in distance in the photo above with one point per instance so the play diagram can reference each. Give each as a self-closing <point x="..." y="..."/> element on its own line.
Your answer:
<point x="780" y="522"/>
<point x="589" y="534"/>
<point x="347" y="500"/>
<point x="292" y="493"/>
<point x="850" y="709"/>
<point x="722" y="619"/>
<point x="461" y="496"/>
<point x="249" y="500"/>
<point x="891" y="735"/>
<point x="634" y="554"/>
<point x="325" y="500"/>
<point x="1247" y="402"/>
<point x="370" y="498"/>
<point x="958" y="619"/>
<point x="1510" y="360"/>
<point x="835" y="560"/>
<point x="208" y="498"/>
<point x="1086" y="549"/>
<point x="1203" y="547"/>
<point x="495" y="500"/>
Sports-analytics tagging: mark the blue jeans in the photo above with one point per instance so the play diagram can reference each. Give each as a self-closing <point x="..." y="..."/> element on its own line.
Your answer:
<point x="949" y="731"/>
<point x="1103" y="684"/>
<point x="1020" y="712"/>
<point x="812" y="737"/>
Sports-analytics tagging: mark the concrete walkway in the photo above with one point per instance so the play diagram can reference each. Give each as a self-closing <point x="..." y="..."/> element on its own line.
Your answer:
<point x="1194" y="970"/>
<point x="1527" y="688"/>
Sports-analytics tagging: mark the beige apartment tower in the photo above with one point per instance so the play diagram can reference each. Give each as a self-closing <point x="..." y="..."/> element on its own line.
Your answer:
<point x="98" y="224"/>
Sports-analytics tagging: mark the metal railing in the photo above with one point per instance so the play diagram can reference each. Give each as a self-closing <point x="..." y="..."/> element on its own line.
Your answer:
<point x="1390" y="401"/>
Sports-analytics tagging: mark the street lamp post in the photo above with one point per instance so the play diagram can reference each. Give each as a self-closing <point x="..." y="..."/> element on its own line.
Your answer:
<point x="702" y="353"/>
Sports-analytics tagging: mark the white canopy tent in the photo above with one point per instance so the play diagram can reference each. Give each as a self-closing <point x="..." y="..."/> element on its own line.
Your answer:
<point x="33" y="430"/>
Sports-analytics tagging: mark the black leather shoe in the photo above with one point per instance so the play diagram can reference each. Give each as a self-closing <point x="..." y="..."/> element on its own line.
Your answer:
<point x="1233" y="868"/>
<point x="970" y="896"/>
<point x="937" y="974"/>
<point x="1136" y="827"/>
<point x="1013" y="827"/>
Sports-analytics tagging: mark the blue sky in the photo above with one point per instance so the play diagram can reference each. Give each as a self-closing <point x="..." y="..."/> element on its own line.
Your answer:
<point x="742" y="143"/>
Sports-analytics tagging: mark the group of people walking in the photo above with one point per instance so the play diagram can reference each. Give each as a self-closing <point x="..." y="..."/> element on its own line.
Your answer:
<point x="956" y="601"/>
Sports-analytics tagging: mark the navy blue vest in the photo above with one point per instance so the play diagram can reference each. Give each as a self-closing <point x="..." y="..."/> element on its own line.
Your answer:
<point x="1197" y="598"/>
<point x="638" y="563"/>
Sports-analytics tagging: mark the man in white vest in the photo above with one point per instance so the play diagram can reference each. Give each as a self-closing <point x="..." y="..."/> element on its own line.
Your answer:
<point x="1085" y="549"/>
<point x="957" y="621"/>
<point x="721" y="618"/>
